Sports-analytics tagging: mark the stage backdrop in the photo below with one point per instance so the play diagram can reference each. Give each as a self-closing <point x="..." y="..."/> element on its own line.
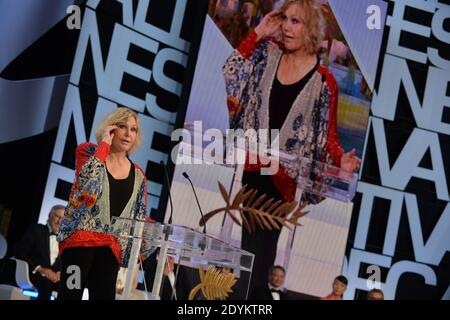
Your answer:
<point x="400" y="229"/>
<point x="55" y="88"/>
<point x="133" y="54"/>
<point x="313" y="254"/>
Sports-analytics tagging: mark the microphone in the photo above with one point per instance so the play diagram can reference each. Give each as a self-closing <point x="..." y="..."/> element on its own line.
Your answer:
<point x="166" y="180"/>
<point x="196" y="198"/>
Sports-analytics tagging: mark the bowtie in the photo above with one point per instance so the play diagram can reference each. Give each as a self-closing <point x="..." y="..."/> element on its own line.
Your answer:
<point x="275" y="290"/>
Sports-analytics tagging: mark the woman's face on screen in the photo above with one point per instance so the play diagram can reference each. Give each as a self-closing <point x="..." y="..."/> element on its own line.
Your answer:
<point x="293" y="28"/>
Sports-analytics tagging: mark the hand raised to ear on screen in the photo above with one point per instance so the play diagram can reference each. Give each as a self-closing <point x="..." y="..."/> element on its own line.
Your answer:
<point x="269" y="24"/>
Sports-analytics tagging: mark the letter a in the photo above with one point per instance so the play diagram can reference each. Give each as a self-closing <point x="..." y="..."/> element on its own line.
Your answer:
<point x="374" y="20"/>
<point x="74" y="280"/>
<point x="74" y="20"/>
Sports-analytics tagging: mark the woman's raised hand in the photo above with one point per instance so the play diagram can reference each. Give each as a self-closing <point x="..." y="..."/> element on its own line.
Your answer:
<point x="350" y="162"/>
<point x="269" y="24"/>
<point x="108" y="134"/>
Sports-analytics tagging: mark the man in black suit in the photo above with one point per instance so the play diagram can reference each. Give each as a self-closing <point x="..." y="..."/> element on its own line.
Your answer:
<point x="273" y="289"/>
<point x="39" y="248"/>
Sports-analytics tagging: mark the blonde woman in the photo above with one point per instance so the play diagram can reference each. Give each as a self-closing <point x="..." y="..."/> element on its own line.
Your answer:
<point x="107" y="184"/>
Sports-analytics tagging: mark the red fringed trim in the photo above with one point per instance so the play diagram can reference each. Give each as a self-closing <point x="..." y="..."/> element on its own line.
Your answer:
<point x="333" y="145"/>
<point x="247" y="45"/>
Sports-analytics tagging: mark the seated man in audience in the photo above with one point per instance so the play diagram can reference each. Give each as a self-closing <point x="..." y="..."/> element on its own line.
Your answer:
<point x="273" y="290"/>
<point x="375" y="294"/>
<point x="39" y="248"/>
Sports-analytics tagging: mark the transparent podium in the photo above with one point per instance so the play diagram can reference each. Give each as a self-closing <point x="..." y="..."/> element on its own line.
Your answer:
<point x="188" y="247"/>
<point x="314" y="179"/>
<point x="322" y="179"/>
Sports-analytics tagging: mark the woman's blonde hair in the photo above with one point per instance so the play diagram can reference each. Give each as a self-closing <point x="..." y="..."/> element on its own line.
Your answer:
<point x="121" y="114"/>
<point x="314" y="24"/>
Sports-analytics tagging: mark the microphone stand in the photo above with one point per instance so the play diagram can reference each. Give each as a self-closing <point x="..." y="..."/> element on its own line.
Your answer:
<point x="166" y="180"/>
<point x="198" y="203"/>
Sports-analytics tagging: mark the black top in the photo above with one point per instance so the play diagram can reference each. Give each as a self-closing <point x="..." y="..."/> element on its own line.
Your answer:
<point x="120" y="191"/>
<point x="281" y="100"/>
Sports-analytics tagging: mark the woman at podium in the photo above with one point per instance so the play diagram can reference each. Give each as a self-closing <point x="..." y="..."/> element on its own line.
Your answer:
<point x="274" y="84"/>
<point x="107" y="183"/>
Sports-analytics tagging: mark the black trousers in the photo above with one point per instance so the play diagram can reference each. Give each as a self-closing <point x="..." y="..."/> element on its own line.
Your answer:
<point x="263" y="242"/>
<point x="94" y="268"/>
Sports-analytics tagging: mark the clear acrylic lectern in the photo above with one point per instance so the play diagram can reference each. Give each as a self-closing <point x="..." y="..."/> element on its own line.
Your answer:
<point x="189" y="248"/>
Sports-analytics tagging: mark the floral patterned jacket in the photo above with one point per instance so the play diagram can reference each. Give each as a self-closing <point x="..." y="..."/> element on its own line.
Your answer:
<point x="86" y="218"/>
<point x="310" y="129"/>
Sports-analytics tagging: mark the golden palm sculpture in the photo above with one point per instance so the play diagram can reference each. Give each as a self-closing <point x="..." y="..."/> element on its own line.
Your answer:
<point x="254" y="213"/>
<point x="214" y="285"/>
